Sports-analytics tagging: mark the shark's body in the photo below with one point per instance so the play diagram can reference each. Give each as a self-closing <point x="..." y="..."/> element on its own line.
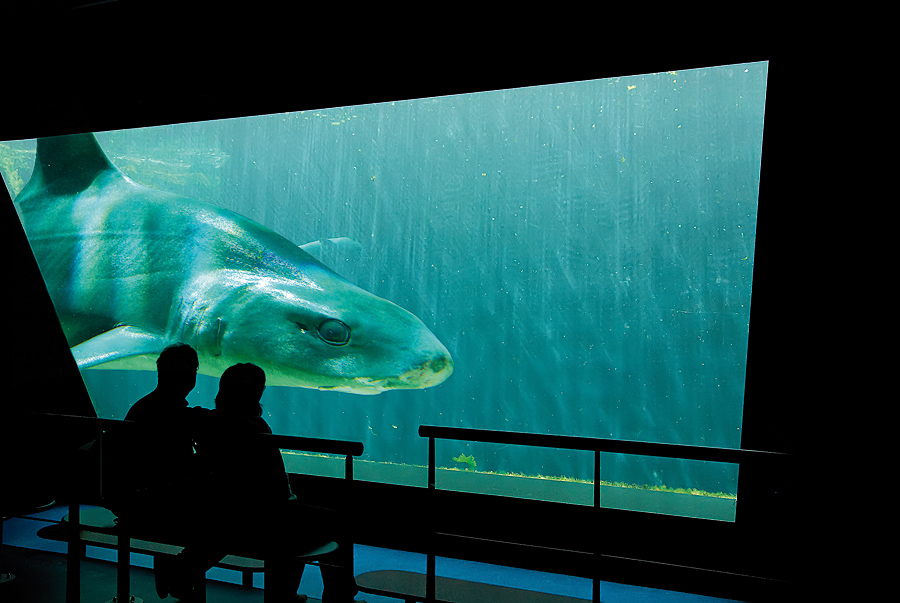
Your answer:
<point x="131" y="269"/>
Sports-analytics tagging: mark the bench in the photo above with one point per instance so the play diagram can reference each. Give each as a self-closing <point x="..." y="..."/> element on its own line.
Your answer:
<point x="98" y="526"/>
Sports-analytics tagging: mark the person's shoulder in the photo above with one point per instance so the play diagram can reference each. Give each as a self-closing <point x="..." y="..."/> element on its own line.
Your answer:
<point x="138" y="410"/>
<point x="260" y="425"/>
<point x="199" y="411"/>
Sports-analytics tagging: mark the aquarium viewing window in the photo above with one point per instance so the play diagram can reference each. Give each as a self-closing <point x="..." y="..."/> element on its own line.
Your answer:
<point x="571" y="259"/>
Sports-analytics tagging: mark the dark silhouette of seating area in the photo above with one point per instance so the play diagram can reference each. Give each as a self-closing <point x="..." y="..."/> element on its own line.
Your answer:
<point x="184" y="530"/>
<point x="194" y="487"/>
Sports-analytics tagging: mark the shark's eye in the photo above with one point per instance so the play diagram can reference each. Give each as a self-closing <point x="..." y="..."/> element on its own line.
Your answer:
<point x="334" y="332"/>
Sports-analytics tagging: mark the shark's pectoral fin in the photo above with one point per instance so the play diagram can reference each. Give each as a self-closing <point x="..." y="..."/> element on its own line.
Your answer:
<point x="124" y="347"/>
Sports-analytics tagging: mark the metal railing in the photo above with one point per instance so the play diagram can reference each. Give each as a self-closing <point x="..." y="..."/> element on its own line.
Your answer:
<point x="598" y="446"/>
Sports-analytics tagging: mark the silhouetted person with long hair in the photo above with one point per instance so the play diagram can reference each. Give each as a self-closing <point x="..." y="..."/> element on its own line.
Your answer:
<point x="254" y="493"/>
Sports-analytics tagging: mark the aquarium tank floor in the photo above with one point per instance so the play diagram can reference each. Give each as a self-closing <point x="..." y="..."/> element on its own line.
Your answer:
<point x="39" y="567"/>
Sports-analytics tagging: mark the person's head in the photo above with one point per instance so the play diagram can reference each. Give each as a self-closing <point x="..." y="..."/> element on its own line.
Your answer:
<point x="176" y="368"/>
<point x="240" y="389"/>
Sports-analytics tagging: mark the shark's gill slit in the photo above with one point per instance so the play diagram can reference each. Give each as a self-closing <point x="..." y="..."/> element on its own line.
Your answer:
<point x="220" y="332"/>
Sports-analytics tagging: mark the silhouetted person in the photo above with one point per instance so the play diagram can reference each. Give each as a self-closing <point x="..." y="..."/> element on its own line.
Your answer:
<point x="164" y="413"/>
<point x="163" y="493"/>
<point x="254" y="492"/>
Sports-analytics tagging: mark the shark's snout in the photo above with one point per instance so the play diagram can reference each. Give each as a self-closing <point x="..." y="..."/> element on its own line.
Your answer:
<point x="440" y="366"/>
<point x="433" y="371"/>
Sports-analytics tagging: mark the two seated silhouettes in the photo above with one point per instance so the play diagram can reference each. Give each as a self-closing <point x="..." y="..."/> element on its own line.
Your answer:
<point x="202" y="475"/>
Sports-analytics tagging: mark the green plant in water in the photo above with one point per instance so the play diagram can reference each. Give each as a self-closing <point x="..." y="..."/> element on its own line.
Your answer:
<point x="468" y="460"/>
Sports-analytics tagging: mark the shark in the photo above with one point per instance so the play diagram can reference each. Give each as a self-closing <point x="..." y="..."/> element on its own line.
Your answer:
<point x="131" y="270"/>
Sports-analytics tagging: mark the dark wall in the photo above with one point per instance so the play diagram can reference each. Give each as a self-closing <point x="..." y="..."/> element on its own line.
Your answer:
<point x="122" y="65"/>
<point x="115" y="66"/>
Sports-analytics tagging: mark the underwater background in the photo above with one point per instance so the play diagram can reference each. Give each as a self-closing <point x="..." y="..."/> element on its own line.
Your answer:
<point x="583" y="250"/>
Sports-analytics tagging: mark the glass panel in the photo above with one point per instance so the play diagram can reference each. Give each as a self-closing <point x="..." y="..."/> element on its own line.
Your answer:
<point x="310" y="463"/>
<point x="520" y="471"/>
<point x="655" y="485"/>
<point x="582" y="251"/>
<point x="671" y="486"/>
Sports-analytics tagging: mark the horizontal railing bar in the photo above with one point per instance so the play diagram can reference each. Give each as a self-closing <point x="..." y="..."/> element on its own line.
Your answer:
<point x="342" y="447"/>
<point x="300" y="443"/>
<point x="679" y="451"/>
<point x="284" y="442"/>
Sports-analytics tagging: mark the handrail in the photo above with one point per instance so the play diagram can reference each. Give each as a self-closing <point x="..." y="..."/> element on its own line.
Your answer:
<point x="346" y="448"/>
<point x="541" y="440"/>
<point x="282" y="441"/>
<point x="341" y="447"/>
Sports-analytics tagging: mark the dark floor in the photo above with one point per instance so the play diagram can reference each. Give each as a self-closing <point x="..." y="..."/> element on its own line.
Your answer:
<point x="39" y="567"/>
<point x="40" y="577"/>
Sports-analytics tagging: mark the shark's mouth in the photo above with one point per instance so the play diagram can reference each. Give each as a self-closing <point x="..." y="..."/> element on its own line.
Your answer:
<point x="360" y="385"/>
<point x="428" y="374"/>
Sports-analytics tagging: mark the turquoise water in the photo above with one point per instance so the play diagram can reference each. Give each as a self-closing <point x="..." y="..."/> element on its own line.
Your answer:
<point x="583" y="250"/>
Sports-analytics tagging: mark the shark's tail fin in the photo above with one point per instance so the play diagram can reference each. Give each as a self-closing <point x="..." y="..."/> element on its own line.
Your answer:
<point x="67" y="164"/>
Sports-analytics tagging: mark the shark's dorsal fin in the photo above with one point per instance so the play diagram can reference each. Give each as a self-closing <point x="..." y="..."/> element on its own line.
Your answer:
<point x="345" y="244"/>
<point x="67" y="165"/>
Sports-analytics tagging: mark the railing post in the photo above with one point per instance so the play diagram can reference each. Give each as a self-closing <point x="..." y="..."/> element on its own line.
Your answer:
<point x="431" y="462"/>
<point x="595" y="578"/>
<point x="123" y="563"/>
<point x="432" y="537"/>
<point x="348" y="541"/>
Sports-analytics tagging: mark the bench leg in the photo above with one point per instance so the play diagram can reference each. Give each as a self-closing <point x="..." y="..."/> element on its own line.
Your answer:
<point x="430" y="577"/>
<point x="123" y="567"/>
<point x="74" y="555"/>
<point x="200" y="587"/>
<point x="268" y="591"/>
